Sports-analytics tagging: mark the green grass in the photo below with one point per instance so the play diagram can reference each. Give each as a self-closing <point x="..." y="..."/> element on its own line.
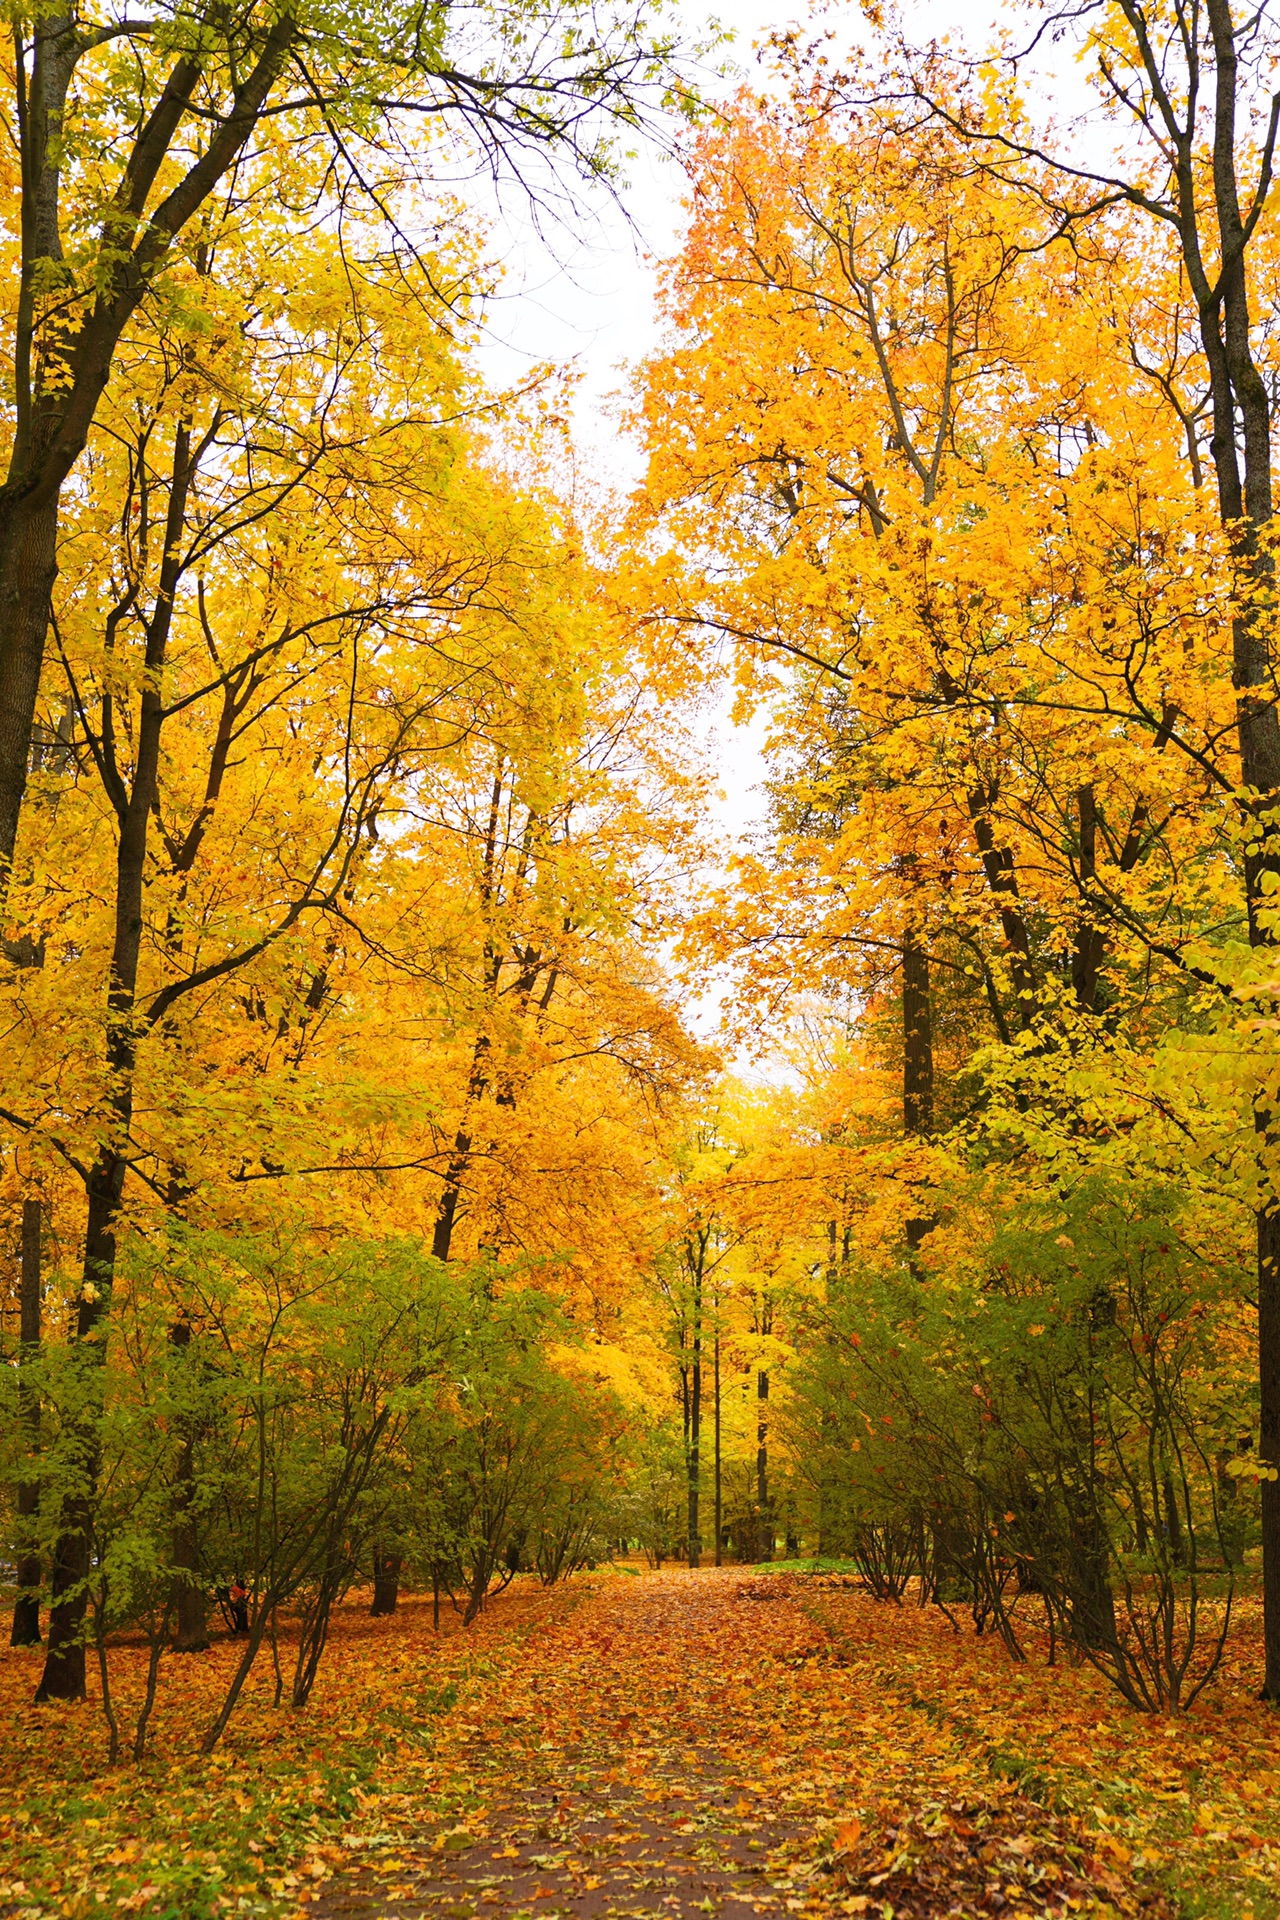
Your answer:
<point x="822" y="1564"/>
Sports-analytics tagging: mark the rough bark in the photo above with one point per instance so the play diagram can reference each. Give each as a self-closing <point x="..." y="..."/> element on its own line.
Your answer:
<point x="28" y="545"/>
<point x="1246" y="504"/>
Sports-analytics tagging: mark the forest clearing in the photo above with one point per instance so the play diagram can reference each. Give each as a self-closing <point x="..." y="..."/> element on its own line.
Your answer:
<point x="564" y="1349"/>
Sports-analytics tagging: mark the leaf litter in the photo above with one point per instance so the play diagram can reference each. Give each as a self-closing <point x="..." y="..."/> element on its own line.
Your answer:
<point x="664" y="1750"/>
<point x="674" y="1744"/>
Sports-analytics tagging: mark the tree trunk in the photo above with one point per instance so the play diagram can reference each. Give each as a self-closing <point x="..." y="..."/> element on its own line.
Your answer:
<point x="28" y="566"/>
<point x="764" y="1512"/>
<point x="917" y="1061"/>
<point x="1240" y="394"/>
<point x="1002" y="878"/>
<point x="695" y="1429"/>
<point x="917" y="1039"/>
<point x="26" y="1608"/>
<point x="442" y="1233"/>
<point x="386" y="1582"/>
<point x="1086" y="958"/>
<point x="60" y="369"/>
<point x="718" y="1496"/>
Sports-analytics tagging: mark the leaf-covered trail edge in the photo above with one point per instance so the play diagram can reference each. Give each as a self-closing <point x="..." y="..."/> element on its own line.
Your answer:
<point x="717" y="1742"/>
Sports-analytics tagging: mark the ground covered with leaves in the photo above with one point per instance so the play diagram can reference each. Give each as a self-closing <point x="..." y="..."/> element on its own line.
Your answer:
<point x="671" y="1744"/>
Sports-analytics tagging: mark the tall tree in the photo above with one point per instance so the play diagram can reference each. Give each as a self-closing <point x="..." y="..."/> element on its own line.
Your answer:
<point x="1194" y="85"/>
<point x="121" y="157"/>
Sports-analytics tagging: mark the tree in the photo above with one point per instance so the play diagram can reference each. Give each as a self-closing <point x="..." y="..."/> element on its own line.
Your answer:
<point x="1192" y="88"/>
<point x="127" y="130"/>
<point x="165" y="470"/>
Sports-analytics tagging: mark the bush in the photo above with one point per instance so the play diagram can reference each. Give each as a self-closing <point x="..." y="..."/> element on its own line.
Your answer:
<point x="1053" y="1427"/>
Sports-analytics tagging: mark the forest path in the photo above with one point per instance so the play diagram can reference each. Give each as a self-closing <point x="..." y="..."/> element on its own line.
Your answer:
<point x="676" y="1744"/>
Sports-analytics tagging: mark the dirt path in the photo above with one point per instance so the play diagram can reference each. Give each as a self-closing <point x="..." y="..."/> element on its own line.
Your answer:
<point x="677" y="1745"/>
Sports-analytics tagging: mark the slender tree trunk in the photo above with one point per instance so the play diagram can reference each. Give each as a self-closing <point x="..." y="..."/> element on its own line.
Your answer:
<point x="1173" y="1520"/>
<point x="478" y="1079"/>
<point x="155" y="1652"/>
<point x="26" y="1608"/>
<point x="442" y="1233"/>
<point x="1002" y="879"/>
<point x="917" y="1061"/>
<point x="1086" y="959"/>
<point x="764" y="1512"/>
<point x="917" y="1039"/>
<point x="695" y="1427"/>
<point x="718" y="1495"/>
<point x="38" y="464"/>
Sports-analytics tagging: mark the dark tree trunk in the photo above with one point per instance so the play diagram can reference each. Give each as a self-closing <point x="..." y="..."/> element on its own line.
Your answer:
<point x="1093" y="1606"/>
<point x="694" y="1460"/>
<point x="1173" y="1519"/>
<point x="917" y="1040"/>
<point x="28" y="566"/>
<point x="442" y="1233"/>
<point x="764" y="1512"/>
<point x="917" y="1061"/>
<point x="64" y="1667"/>
<point x="1086" y="960"/>
<point x="718" y="1494"/>
<point x="26" y="1608"/>
<point x="386" y="1582"/>
<point x="1245" y="504"/>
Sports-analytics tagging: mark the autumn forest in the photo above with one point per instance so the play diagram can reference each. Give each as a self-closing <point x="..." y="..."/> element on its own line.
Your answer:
<point x="560" y="1358"/>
